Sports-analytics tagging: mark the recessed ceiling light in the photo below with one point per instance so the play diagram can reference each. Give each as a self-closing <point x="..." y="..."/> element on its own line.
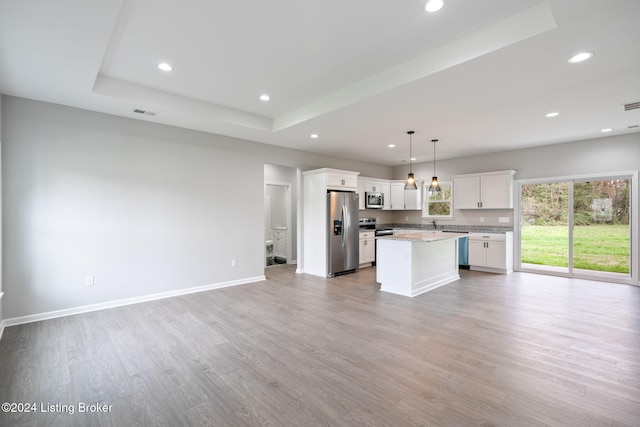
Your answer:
<point x="164" y="66"/>
<point x="582" y="56"/>
<point x="264" y="97"/>
<point x="413" y="159"/>
<point x="433" y="6"/>
<point x="314" y="136"/>
<point x="552" y="114"/>
<point x="391" y="145"/>
<point x="606" y="130"/>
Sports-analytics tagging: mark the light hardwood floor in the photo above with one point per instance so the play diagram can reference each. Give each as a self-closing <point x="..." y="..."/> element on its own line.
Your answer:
<point x="297" y="350"/>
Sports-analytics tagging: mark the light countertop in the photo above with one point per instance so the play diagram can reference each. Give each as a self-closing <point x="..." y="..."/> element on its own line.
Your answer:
<point x="427" y="236"/>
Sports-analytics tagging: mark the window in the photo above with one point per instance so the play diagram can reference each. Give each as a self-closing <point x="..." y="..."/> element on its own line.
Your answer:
<point x="438" y="205"/>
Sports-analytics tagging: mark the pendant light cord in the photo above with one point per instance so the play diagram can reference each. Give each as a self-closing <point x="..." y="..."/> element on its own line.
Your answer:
<point x="434" y="156"/>
<point x="410" y="132"/>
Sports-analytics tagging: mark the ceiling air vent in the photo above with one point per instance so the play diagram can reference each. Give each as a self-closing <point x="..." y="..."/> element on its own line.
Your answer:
<point x="632" y="106"/>
<point x="146" y="113"/>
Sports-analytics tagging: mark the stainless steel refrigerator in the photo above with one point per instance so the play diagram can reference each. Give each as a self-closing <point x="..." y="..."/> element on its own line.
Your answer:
<point x="343" y="245"/>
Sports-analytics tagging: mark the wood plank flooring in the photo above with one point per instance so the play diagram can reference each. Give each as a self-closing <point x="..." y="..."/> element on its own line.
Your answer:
<point x="297" y="350"/>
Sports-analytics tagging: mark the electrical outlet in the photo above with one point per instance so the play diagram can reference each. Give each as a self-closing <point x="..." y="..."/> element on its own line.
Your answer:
<point x="234" y="262"/>
<point x="481" y="219"/>
<point x="88" y="281"/>
<point x="503" y="219"/>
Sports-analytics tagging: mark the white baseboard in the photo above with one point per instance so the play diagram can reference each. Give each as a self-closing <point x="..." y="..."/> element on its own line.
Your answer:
<point x="119" y="303"/>
<point x="1" y="321"/>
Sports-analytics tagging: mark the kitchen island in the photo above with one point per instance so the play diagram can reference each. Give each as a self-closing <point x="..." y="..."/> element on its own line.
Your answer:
<point x="411" y="264"/>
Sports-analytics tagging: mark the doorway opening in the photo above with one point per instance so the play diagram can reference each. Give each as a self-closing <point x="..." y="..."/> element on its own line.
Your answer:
<point x="277" y="223"/>
<point x="578" y="227"/>
<point x="280" y="214"/>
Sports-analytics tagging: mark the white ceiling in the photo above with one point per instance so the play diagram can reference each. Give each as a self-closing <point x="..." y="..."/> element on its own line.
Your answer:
<point x="477" y="75"/>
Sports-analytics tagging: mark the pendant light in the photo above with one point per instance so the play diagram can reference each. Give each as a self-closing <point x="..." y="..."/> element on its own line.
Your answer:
<point x="411" y="180"/>
<point x="435" y="186"/>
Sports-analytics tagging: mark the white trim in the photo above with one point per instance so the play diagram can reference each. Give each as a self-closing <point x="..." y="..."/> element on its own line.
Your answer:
<point x="635" y="223"/>
<point x="429" y="284"/>
<point x="128" y="301"/>
<point x="544" y="180"/>
<point x="1" y="321"/>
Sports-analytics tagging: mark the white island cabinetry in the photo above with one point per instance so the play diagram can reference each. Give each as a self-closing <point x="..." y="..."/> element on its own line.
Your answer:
<point x="411" y="264"/>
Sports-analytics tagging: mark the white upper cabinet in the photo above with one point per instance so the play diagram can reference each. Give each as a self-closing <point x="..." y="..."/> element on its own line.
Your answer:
<point x="341" y="180"/>
<point x="492" y="190"/>
<point x="397" y="196"/>
<point x="385" y="189"/>
<point x="361" y="191"/>
<point x="402" y="199"/>
<point x="374" y="185"/>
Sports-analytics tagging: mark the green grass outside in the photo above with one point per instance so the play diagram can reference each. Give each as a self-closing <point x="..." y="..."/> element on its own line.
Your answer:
<point x="596" y="247"/>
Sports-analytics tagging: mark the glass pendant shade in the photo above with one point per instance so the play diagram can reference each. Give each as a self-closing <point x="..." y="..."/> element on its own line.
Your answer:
<point x="411" y="182"/>
<point x="435" y="185"/>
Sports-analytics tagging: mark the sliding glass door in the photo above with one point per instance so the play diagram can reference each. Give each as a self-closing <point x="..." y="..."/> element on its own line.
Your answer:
<point x="577" y="227"/>
<point x="601" y="231"/>
<point x="544" y="219"/>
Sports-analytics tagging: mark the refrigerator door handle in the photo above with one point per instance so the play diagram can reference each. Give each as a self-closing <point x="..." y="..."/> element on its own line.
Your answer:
<point x="345" y="225"/>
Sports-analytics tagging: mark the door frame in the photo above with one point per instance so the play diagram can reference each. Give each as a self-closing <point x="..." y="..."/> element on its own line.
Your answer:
<point x="633" y="223"/>
<point x="289" y="215"/>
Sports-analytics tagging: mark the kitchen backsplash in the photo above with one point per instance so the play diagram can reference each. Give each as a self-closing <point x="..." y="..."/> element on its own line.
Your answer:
<point x="484" y="220"/>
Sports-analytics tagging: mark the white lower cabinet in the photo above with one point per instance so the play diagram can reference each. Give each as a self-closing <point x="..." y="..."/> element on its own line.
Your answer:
<point x="491" y="252"/>
<point x="367" y="247"/>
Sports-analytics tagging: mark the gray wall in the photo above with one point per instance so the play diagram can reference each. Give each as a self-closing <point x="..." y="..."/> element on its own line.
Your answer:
<point x="595" y="156"/>
<point x="144" y="208"/>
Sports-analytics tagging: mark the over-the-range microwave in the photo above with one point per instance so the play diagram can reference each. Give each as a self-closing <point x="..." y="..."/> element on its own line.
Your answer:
<point x="373" y="200"/>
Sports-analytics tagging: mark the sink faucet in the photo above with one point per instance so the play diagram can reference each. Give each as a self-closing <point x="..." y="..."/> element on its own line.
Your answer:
<point x="433" y="222"/>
